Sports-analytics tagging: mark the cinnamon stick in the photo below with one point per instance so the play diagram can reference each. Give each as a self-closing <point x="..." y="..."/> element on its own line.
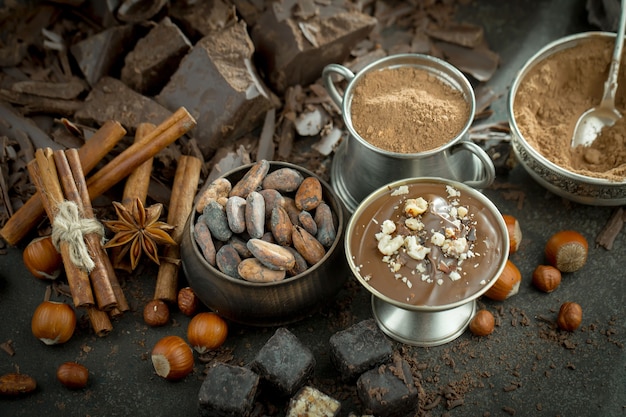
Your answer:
<point x="44" y="175"/>
<point x="70" y="176"/>
<point x="74" y="162"/>
<point x="136" y="186"/>
<point x="91" y="153"/>
<point x="100" y="322"/>
<point x="122" y="165"/>
<point x="181" y="204"/>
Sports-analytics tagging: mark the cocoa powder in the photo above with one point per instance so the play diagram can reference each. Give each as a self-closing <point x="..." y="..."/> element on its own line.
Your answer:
<point x="554" y="94"/>
<point x="407" y="110"/>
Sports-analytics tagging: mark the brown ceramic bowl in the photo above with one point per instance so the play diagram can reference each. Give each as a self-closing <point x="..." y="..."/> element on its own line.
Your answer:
<point x="275" y="303"/>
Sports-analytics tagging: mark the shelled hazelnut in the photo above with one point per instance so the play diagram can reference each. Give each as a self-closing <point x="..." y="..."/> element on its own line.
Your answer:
<point x="482" y="323"/>
<point x="570" y="316"/>
<point x="546" y="278"/>
<point x="156" y="313"/>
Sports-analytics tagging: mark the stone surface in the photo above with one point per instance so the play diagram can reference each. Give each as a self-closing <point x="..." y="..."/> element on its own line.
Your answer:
<point x="149" y="66"/>
<point x="219" y="86"/>
<point x="296" y="50"/>
<point x="284" y="362"/>
<point x="227" y="390"/>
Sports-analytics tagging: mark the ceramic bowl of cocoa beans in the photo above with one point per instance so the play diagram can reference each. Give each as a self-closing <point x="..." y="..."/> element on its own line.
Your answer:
<point x="263" y="245"/>
<point x="552" y="90"/>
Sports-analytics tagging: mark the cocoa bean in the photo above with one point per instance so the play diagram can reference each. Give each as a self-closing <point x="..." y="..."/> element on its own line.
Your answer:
<point x="218" y="190"/>
<point x="289" y="204"/>
<point x="215" y="217"/>
<point x="326" y="231"/>
<point x="281" y="226"/>
<point x="307" y="245"/>
<point x="252" y="180"/>
<point x="255" y="215"/>
<point x="253" y="270"/>
<point x="284" y="180"/>
<point x="309" y="194"/>
<point x="236" y="214"/>
<point x="272" y="198"/>
<point x="268" y="237"/>
<point x="240" y="246"/>
<point x="307" y="221"/>
<point x="14" y="384"/>
<point x="271" y="255"/>
<point x="202" y="236"/>
<point x="300" y="266"/>
<point x="227" y="259"/>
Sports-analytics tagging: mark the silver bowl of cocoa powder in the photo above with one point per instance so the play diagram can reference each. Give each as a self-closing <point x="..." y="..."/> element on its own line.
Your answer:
<point x="275" y="302"/>
<point x="548" y="95"/>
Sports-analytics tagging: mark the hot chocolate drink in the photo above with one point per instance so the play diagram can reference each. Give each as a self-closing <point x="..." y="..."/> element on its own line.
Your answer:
<point x="427" y="244"/>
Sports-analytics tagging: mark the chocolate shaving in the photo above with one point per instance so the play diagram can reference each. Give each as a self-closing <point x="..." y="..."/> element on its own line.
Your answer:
<point x="614" y="225"/>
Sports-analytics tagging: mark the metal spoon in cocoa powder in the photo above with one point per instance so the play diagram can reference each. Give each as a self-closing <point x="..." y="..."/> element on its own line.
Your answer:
<point x="594" y="120"/>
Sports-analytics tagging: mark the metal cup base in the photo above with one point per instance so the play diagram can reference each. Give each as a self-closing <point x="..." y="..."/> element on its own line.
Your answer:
<point x="422" y="328"/>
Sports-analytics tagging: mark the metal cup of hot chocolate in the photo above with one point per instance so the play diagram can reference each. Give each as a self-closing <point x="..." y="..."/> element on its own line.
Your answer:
<point x="426" y="249"/>
<point x="360" y="166"/>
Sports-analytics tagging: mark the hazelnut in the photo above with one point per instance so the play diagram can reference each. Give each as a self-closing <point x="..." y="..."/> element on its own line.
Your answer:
<point x="482" y="323"/>
<point x="187" y="301"/>
<point x="73" y="375"/>
<point x="514" y="232"/>
<point x="156" y="313"/>
<point x="570" y="316"/>
<point x="546" y="278"/>
<point x="172" y="358"/>
<point x="567" y="250"/>
<point x="507" y="283"/>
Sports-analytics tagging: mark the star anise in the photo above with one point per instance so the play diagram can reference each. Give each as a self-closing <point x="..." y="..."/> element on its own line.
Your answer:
<point x="138" y="230"/>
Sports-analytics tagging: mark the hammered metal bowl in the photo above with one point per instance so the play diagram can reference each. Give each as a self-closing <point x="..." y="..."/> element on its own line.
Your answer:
<point x="562" y="182"/>
<point x="268" y="304"/>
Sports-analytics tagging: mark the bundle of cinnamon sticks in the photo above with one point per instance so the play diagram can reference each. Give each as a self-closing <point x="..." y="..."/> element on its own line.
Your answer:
<point x="59" y="177"/>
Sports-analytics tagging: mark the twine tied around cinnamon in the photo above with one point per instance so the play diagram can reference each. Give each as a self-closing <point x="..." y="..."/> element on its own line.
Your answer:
<point x="71" y="227"/>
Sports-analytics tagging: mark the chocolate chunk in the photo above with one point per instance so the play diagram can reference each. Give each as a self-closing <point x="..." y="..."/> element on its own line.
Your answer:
<point x="111" y="99"/>
<point x="359" y="348"/>
<point x="388" y="390"/>
<point x="312" y="402"/>
<point x="200" y="18"/>
<point x="149" y="66"/>
<point x="296" y="50"/>
<point x="284" y="362"/>
<point x="102" y="53"/>
<point x="227" y="391"/>
<point x="218" y="84"/>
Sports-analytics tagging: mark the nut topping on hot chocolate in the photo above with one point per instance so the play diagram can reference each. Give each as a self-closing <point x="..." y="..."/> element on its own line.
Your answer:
<point x="427" y="243"/>
<point x="442" y="247"/>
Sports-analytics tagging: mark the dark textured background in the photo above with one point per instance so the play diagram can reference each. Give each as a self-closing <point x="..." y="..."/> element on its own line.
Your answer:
<point x="550" y="379"/>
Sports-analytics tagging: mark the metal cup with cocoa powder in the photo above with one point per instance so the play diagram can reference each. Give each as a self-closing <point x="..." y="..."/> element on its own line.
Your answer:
<point x="412" y="122"/>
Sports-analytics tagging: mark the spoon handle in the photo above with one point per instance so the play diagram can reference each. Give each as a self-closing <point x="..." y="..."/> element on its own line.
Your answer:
<point x="610" y="85"/>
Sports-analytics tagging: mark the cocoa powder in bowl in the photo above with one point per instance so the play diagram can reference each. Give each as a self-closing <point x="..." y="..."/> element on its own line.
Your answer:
<point x="407" y="110"/>
<point x="552" y="96"/>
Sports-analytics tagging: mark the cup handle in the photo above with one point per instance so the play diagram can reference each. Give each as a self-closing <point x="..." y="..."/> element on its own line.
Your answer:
<point x="327" y="78"/>
<point x="489" y="171"/>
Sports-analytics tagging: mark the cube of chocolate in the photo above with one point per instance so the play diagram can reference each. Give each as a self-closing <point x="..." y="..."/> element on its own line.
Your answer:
<point x="227" y="391"/>
<point x="312" y="402"/>
<point x="149" y="66"/>
<point x="284" y="362"/>
<point x="295" y="49"/>
<point x="359" y="348"/>
<point x="218" y="84"/>
<point x="388" y="390"/>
